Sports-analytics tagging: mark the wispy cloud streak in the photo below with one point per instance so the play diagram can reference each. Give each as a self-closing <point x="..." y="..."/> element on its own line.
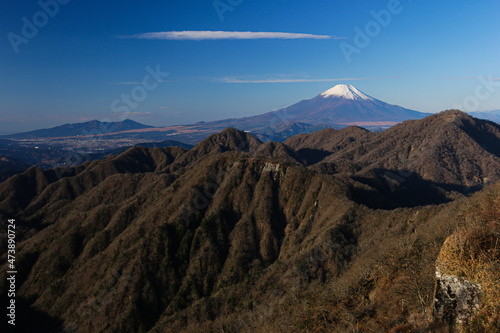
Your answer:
<point x="279" y="80"/>
<point x="214" y="35"/>
<point x="472" y="78"/>
<point x="133" y="83"/>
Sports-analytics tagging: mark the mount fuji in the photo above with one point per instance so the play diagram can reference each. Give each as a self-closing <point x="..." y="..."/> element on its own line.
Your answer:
<point x="341" y="106"/>
<point x="345" y="105"/>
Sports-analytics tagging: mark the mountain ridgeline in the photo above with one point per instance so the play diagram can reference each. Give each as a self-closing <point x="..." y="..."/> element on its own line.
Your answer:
<point x="93" y="127"/>
<point x="328" y="231"/>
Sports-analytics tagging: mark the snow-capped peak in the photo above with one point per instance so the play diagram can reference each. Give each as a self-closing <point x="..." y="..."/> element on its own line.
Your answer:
<point x="345" y="91"/>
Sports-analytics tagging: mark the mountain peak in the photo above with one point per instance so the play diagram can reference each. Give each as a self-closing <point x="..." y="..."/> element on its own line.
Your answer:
<point x="229" y="139"/>
<point x="346" y="91"/>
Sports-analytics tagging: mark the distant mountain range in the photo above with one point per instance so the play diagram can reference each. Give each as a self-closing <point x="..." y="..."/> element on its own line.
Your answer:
<point x="89" y="128"/>
<point x="493" y="115"/>
<point x="338" y="107"/>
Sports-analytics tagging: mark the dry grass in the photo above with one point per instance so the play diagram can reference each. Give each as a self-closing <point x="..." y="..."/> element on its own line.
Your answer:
<point x="473" y="252"/>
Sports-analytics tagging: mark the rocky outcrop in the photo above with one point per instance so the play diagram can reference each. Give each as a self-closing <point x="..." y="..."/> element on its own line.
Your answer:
<point x="455" y="299"/>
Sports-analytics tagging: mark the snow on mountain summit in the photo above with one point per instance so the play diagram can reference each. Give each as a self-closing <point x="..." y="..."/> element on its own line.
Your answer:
<point x="346" y="91"/>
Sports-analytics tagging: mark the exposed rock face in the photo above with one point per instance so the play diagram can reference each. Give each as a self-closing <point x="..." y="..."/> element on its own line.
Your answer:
<point x="455" y="299"/>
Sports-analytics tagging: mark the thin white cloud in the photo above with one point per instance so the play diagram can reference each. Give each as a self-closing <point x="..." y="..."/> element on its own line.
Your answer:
<point x="134" y="83"/>
<point x="213" y="35"/>
<point x="279" y="80"/>
<point x="472" y="78"/>
<point x="128" y="83"/>
<point x="139" y="113"/>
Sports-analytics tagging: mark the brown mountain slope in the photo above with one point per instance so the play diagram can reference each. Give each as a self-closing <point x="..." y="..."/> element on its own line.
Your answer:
<point x="328" y="139"/>
<point x="34" y="185"/>
<point x="175" y="248"/>
<point x="317" y="146"/>
<point x="229" y="139"/>
<point x="449" y="148"/>
<point x="280" y="152"/>
<point x="233" y="236"/>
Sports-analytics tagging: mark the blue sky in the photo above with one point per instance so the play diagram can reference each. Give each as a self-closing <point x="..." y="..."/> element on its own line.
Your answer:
<point x="85" y="56"/>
